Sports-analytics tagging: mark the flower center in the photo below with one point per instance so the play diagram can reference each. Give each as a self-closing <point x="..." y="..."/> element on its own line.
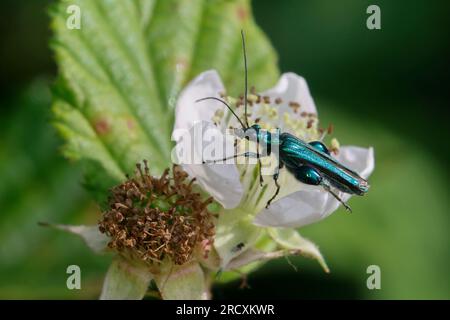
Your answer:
<point x="153" y="218"/>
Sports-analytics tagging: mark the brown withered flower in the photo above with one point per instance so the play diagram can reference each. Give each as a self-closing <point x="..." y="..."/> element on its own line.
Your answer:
<point x="151" y="219"/>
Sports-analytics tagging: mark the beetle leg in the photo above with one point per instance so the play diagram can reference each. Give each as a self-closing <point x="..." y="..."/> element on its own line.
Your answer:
<point x="328" y="188"/>
<point x="275" y="179"/>
<point x="245" y="154"/>
<point x="261" y="180"/>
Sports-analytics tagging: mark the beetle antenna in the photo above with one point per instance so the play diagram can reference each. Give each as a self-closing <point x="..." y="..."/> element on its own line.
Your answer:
<point x="220" y="100"/>
<point x="246" y="74"/>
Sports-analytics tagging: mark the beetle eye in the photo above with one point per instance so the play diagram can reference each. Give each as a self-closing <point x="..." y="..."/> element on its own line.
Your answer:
<point x="319" y="146"/>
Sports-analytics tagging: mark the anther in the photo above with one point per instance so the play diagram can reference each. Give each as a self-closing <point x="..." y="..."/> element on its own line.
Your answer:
<point x="330" y="128"/>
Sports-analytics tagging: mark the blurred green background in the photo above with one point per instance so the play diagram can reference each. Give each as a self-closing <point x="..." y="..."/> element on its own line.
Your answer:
<point x="385" y="88"/>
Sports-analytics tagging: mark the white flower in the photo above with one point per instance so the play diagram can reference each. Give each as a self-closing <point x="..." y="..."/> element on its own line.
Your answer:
<point x="288" y="106"/>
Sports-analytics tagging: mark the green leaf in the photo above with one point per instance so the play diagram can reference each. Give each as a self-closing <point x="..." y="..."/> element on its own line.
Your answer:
<point x="125" y="281"/>
<point x="120" y="75"/>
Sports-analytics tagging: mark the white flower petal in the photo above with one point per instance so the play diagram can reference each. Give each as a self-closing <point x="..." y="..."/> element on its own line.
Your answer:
<point x="297" y="209"/>
<point x="194" y="131"/>
<point x="188" y="111"/>
<point x="359" y="159"/>
<point x="221" y="181"/>
<point x="292" y="88"/>
<point x="308" y="206"/>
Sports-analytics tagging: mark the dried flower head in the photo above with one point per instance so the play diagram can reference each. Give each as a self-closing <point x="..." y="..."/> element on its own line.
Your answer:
<point x="153" y="218"/>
